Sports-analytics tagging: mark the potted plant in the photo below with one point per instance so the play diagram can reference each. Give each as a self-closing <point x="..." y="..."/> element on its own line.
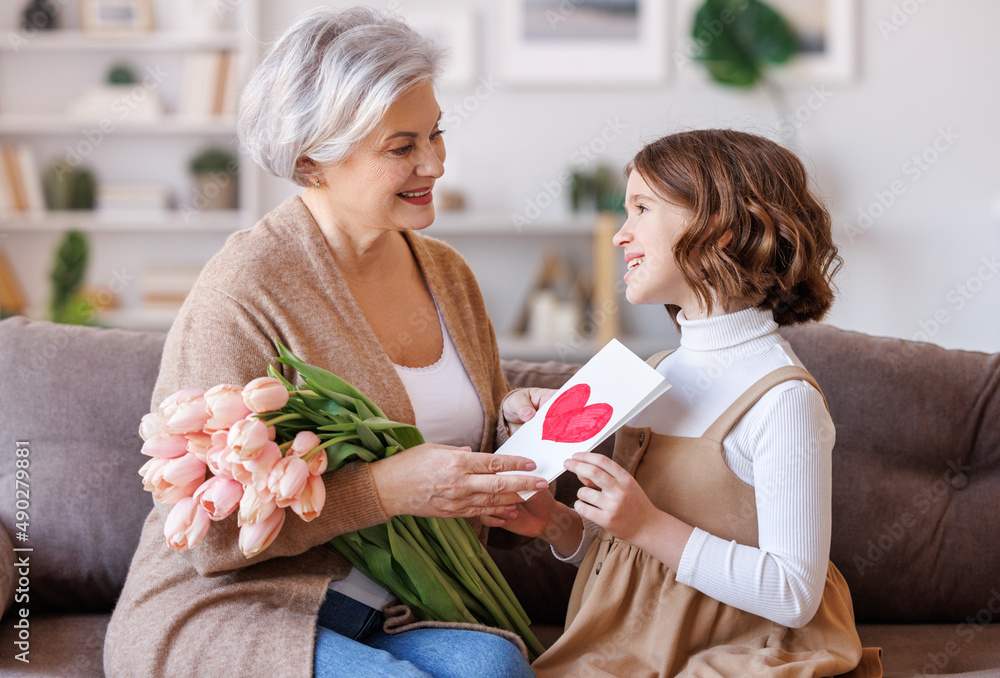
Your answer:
<point x="121" y="96"/>
<point x="68" y="305"/>
<point x="215" y="172"/>
<point x="739" y="41"/>
<point x="68" y="188"/>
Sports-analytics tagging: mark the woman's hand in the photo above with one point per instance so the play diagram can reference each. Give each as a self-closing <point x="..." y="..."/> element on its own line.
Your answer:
<point x="612" y="498"/>
<point x="440" y="481"/>
<point x="520" y="405"/>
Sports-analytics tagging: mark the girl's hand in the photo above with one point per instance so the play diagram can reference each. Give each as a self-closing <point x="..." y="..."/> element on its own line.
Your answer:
<point x="542" y="516"/>
<point x="530" y="518"/>
<point x="440" y="481"/>
<point x="611" y="497"/>
<point x="520" y="405"/>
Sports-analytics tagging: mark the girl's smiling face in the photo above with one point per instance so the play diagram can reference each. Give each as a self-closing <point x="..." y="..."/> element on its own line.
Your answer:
<point x="648" y="237"/>
<point x="387" y="182"/>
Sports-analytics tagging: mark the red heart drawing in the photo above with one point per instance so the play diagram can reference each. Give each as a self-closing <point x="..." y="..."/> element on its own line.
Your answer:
<point x="570" y="420"/>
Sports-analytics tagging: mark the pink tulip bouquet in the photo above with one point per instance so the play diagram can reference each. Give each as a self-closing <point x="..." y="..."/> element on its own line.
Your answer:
<point x="261" y="450"/>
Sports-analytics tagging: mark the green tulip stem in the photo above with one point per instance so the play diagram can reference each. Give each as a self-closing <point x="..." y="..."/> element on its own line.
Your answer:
<point x="282" y="418"/>
<point x="494" y="570"/>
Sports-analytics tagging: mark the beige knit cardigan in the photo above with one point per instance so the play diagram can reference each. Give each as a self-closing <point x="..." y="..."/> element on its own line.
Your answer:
<point x="210" y="611"/>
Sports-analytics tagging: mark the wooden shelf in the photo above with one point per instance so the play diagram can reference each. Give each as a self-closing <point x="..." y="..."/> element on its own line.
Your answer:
<point x="139" y="320"/>
<point x="165" y="126"/>
<point x="214" y="221"/>
<point x="155" y="41"/>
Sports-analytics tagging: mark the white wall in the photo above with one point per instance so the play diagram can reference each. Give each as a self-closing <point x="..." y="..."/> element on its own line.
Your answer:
<point x="904" y="276"/>
<point x="925" y="268"/>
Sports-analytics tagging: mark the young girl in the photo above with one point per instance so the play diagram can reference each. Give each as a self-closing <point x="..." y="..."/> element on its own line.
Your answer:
<point x="704" y="544"/>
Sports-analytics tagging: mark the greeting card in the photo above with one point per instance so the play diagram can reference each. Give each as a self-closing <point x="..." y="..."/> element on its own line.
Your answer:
<point x="610" y="389"/>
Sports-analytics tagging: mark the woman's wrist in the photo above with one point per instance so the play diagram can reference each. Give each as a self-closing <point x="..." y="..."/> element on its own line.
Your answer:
<point x="382" y="475"/>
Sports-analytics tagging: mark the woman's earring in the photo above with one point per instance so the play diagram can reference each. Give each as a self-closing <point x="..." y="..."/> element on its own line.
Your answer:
<point x="316" y="183"/>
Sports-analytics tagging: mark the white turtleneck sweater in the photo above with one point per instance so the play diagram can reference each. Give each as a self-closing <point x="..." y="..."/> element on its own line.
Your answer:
<point x="782" y="448"/>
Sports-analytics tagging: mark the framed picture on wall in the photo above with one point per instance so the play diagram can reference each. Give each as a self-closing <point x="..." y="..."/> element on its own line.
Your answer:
<point x="826" y="31"/>
<point x="116" y="17"/>
<point x="582" y="42"/>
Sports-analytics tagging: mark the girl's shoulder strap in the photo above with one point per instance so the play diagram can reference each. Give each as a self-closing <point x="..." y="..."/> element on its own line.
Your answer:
<point x="728" y="419"/>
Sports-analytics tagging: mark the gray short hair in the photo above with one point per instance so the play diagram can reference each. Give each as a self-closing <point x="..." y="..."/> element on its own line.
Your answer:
<point x="326" y="84"/>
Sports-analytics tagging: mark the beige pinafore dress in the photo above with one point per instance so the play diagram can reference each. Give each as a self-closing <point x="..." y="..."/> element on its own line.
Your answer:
<point x="628" y="616"/>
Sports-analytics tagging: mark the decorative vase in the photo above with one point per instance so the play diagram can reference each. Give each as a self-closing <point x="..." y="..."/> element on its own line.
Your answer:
<point x="215" y="191"/>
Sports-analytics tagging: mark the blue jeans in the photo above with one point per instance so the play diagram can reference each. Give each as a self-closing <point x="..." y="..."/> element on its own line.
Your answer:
<point x="350" y="642"/>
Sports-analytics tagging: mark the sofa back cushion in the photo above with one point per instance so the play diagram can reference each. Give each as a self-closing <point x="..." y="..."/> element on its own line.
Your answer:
<point x="916" y="473"/>
<point x="76" y="395"/>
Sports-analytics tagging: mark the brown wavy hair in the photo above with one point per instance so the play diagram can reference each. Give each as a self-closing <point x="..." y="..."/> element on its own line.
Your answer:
<point x="781" y="256"/>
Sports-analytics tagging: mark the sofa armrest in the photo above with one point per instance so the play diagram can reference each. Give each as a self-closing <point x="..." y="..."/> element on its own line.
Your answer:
<point x="8" y="578"/>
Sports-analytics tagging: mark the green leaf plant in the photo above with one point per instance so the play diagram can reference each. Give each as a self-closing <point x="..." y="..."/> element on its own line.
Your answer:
<point x="739" y="41"/>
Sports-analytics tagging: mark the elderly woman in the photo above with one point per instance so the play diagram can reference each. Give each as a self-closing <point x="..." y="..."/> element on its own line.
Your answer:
<point x="344" y="106"/>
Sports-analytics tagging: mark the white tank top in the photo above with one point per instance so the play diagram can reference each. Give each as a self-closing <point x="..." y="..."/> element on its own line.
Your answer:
<point x="446" y="406"/>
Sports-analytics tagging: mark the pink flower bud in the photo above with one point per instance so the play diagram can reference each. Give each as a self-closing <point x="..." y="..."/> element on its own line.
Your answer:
<point x="152" y="425"/>
<point x="287" y="479"/>
<point x="225" y="407"/>
<point x="179" y="478"/>
<point x="304" y="443"/>
<point x="165" y="446"/>
<point x="170" y="402"/>
<point x="318" y="463"/>
<point x="185" y="411"/>
<point x="217" y="456"/>
<point x="219" y="496"/>
<point x="253" y="507"/>
<point x="255" y="471"/>
<point x="265" y="394"/>
<point x="255" y="537"/>
<point x="247" y="437"/>
<point x="199" y="444"/>
<point x="151" y="472"/>
<point x="186" y="524"/>
<point x="310" y="501"/>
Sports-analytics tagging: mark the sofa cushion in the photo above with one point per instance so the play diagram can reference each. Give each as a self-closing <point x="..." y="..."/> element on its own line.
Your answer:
<point x="76" y="395"/>
<point x="918" y="650"/>
<point x="64" y="645"/>
<point x="8" y="574"/>
<point x="916" y="472"/>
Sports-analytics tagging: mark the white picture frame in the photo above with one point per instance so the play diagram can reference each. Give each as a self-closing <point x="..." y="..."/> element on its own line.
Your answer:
<point x="832" y="25"/>
<point x="555" y="42"/>
<point x="103" y="18"/>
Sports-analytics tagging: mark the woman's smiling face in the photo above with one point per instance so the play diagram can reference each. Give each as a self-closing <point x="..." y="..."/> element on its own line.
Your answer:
<point x="387" y="182"/>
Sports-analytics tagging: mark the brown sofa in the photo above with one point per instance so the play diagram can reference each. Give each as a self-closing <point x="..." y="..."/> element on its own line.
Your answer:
<point x="915" y="514"/>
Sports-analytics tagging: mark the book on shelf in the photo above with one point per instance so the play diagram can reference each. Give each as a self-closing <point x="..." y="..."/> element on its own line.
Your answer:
<point x="208" y="85"/>
<point x="20" y="182"/>
<point x="164" y="287"/>
<point x="12" y="301"/>
<point x="133" y="201"/>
